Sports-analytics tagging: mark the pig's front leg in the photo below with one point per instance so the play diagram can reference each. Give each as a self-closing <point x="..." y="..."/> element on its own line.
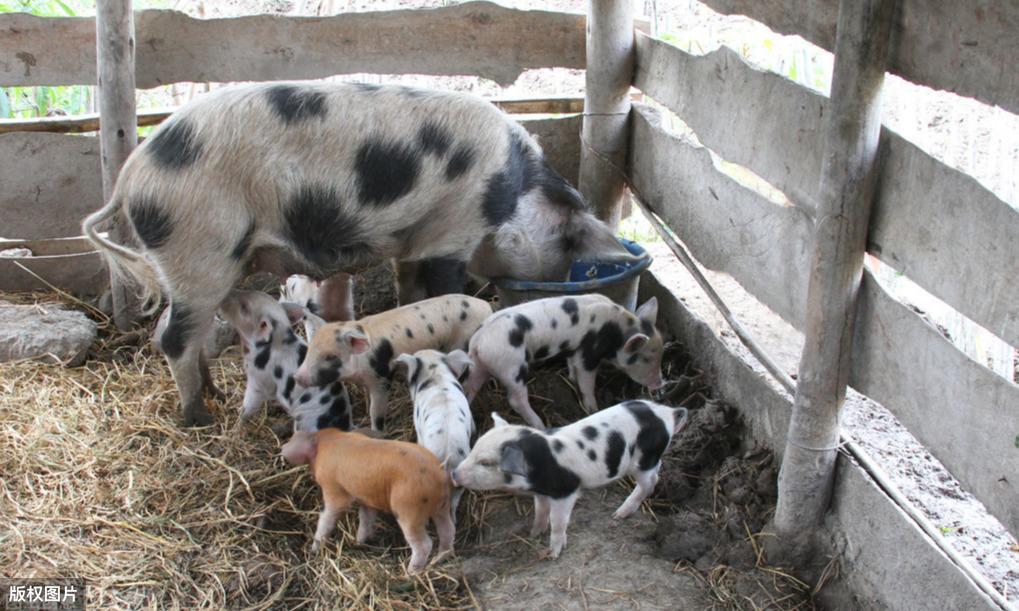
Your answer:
<point x="365" y="524"/>
<point x="541" y="510"/>
<point x="254" y="398"/>
<point x="646" y="481"/>
<point x="559" y="514"/>
<point x="326" y="525"/>
<point x="378" y="404"/>
<point x="584" y="380"/>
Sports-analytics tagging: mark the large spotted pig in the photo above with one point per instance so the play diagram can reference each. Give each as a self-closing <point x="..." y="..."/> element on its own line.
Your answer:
<point x="335" y="178"/>
<point x="628" y="439"/>
<point x="442" y="414"/>
<point x="587" y="330"/>
<point x="272" y="354"/>
<point x="363" y="351"/>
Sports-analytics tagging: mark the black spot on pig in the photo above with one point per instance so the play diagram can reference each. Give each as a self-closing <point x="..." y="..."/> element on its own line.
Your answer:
<point x="463" y="314"/>
<point x="614" y="453"/>
<point x="410" y="333"/>
<point x="418" y="365"/>
<point x="633" y="358"/>
<point x="592" y="456"/>
<point x="522" y="374"/>
<point x="289" y="388"/>
<point x="385" y="171"/>
<point x="566" y="350"/>
<point x="504" y="188"/>
<point x="338" y="415"/>
<point x="305" y="397"/>
<point x="151" y="221"/>
<point x="244" y="243"/>
<point x="175" y="146"/>
<point x="327" y="375"/>
<point x="321" y="230"/>
<point x="277" y="372"/>
<point x="523" y="325"/>
<point x="544" y="473"/>
<point x="424" y="385"/>
<point x="590" y="432"/>
<point x="541" y="353"/>
<point x="264" y="352"/>
<point x="558" y="446"/>
<point x="570" y="307"/>
<point x="431" y="329"/>
<point x="459" y="162"/>
<point x="599" y="345"/>
<point x="580" y="444"/>
<point x="302" y="351"/>
<point x="433" y="139"/>
<point x="176" y="334"/>
<point x="555" y="323"/>
<point x="653" y="437"/>
<point x="557" y="191"/>
<point x="295" y="104"/>
<point x="324" y="399"/>
<point x="380" y="359"/>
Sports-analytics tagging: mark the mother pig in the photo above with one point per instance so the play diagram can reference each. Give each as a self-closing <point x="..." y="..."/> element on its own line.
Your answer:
<point x="324" y="178"/>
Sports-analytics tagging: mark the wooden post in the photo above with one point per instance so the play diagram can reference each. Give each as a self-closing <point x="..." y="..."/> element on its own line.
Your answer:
<point x="848" y="175"/>
<point x="118" y="131"/>
<point x="610" y="50"/>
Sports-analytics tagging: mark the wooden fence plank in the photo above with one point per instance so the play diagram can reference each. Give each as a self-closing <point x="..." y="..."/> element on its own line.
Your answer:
<point x="949" y="234"/>
<point x="476" y="38"/>
<point x="965" y="414"/>
<point x="967" y="48"/>
<point x="726" y="226"/>
<point x="50" y="182"/>
<point x="751" y="117"/>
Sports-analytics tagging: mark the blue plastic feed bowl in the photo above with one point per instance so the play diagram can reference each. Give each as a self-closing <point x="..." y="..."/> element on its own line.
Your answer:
<point x="617" y="281"/>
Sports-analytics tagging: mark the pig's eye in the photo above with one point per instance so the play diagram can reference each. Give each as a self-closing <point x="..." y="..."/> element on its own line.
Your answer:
<point x="487" y="463"/>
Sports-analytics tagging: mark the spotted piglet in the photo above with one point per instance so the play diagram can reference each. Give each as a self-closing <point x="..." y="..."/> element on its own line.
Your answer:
<point x="363" y="351"/>
<point x="330" y="299"/>
<point x="587" y="330"/>
<point x="272" y="354"/>
<point x="442" y="415"/>
<point x="628" y="439"/>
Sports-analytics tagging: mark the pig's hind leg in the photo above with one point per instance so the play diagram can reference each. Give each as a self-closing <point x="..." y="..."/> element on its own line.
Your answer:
<point x="414" y="531"/>
<point x="365" y="523"/>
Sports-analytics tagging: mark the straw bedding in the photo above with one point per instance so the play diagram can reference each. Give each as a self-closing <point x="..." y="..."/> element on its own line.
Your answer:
<point x="100" y="482"/>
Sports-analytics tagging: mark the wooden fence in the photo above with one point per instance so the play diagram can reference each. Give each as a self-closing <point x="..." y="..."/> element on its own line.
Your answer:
<point x="52" y="180"/>
<point x="935" y="224"/>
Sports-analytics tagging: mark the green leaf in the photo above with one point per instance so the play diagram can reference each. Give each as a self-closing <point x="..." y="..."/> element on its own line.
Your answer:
<point x="67" y="10"/>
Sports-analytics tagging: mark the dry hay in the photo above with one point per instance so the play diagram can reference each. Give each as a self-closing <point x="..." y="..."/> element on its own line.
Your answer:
<point x="101" y="483"/>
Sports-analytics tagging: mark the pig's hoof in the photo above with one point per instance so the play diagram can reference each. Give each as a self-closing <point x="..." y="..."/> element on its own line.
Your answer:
<point x="196" y="418"/>
<point x="316" y="547"/>
<point x="621" y="514"/>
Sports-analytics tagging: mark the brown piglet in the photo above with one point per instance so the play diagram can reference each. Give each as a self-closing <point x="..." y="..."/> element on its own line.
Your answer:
<point x="397" y="477"/>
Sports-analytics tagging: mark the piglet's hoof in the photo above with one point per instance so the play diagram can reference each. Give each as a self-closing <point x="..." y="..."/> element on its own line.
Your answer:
<point x="196" y="418"/>
<point x="316" y="547"/>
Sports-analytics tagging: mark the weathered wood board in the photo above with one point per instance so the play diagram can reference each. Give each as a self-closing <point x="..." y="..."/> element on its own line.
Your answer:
<point x="934" y="223"/>
<point x="968" y="48"/>
<point x="751" y="117"/>
<point x="727" y="227"/>
<point x="475" y="38"/>
<point x="50" y="182"/>
<point x="949" y="234"/>
<point x="965" y="414"/>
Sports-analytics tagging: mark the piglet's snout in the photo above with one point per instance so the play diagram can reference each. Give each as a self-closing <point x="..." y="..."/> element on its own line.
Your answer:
<point x="655" y="383"/>
<point x="303" y="377"/>
<point x="457" y="477"/>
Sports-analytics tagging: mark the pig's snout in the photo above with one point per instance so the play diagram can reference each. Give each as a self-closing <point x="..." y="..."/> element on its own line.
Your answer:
<point x="303" y="377"/>
<point x="655" y="383"/>
<point x="457" y="477"/>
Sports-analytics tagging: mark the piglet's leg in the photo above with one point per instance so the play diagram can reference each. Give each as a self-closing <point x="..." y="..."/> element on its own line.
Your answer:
<point x="585" y="384"/>
<point x="378" y="404"/>
<point x="454" y="502"/>
<point x="475" y="380"/>
<point x="541" y="509"/>
<point x="326" y="525"/>
<point x="646" y="482"/>
<point x="365" y="524"/>
<point x="419" y="541"/>
<point x="254" y="398"/>
<point x="208" y="384"/>
<point x="445" y="529"/>
<point x="559" y="514"/>
<point x="517" y="395"/>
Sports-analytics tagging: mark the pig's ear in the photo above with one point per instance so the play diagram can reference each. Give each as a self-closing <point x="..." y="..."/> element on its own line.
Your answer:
<point x="458" y="362"/>
<point x="497" y="419"/>
<point x="263" y="332"/>
<point x="648" y="311"/>
<point x="680" y="416"/>
<point x="513" y="460"/>
<point x="295" y="312"/>
<point x="409" y="361"/>
<point x="635" y="343"/>
<point x="356" y="340"/>
<point x="592" y="240"/>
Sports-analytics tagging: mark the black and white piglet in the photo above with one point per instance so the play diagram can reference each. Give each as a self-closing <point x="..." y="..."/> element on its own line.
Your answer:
<point x="625" y="439"/>
<point x="442" y="415"/>
<point x="588" y="330"/>
<point x="272" y="354"/>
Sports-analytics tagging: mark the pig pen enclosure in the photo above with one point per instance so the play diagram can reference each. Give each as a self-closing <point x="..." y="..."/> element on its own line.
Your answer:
<point x="99" y="481"/>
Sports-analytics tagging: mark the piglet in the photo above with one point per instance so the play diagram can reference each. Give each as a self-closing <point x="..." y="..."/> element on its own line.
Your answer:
<point x="396" y="477"/>
<point x="330" y="299"/>
<point x="272" y="354"/>
<point x="587" y="330"/>
<point x="442" y="415"/>
<point x="363" y="351"/>
<point x="627" y="439"/>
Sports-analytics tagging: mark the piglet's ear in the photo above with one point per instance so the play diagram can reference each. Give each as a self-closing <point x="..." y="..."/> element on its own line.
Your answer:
<point x="357" y="341"/>
<point x="648" y="310"/>
<point x="263" y="332"/>
<point x="513" y="460"/>
<point x="295" y="312"/>
<point x="497" y="419"/>
<point x="635" y="343"/>
<point x="458" y="362"/>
